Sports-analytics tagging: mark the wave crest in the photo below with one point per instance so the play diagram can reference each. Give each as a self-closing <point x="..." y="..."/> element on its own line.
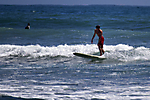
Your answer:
<point x="119" y="52"/>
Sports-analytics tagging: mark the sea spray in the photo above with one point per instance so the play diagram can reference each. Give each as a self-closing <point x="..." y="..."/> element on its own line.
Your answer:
<point x="119" y="52"/>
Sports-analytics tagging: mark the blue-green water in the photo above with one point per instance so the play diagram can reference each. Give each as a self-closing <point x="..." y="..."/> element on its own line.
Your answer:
<point x="39" y="63"/>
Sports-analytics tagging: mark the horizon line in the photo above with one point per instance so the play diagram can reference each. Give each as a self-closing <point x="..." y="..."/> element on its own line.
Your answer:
<point x="78" y="4"/>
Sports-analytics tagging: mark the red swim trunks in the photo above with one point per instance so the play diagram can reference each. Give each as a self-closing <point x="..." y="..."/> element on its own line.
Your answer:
<point x="100" y="44"/>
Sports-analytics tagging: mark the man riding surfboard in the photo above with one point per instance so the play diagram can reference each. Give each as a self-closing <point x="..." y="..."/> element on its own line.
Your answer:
<point x="99" y="33"/>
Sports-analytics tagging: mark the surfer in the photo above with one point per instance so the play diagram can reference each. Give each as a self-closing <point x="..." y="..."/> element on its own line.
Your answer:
<point x="99" y="33"/>
<point x="28" y="26"/>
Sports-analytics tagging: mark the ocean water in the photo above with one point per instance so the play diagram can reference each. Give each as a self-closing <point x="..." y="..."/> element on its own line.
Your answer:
<point x="39" y="63"/>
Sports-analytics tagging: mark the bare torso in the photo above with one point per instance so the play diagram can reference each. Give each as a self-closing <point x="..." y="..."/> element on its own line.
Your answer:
<point x="99" y="33"/>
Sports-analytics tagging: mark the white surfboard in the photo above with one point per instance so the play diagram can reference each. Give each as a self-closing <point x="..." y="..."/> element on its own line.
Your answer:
<point x="89" y="56"/>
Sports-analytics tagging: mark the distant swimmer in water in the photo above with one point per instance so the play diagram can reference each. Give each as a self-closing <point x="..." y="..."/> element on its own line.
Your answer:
<point x="28" y="26"/>
<point x="99" y="33"/>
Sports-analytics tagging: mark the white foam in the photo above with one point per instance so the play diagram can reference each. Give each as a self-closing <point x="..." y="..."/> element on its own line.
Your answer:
<point x="119" y="52"/>
<point x="39" y="51"/>
<point x="127" y="53"/>
<point x="119" y="47"/>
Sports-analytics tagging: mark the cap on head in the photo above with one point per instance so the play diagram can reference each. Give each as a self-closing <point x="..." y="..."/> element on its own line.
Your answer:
<point x="98" y="26"/>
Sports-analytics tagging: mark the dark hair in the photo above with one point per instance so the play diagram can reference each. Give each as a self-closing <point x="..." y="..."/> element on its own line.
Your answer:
<point x="97" y="26"/>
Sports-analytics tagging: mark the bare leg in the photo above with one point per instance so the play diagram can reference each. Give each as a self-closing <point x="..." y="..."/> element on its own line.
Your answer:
<point x="103" y="51"/>
<point x="100" y="50"/>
